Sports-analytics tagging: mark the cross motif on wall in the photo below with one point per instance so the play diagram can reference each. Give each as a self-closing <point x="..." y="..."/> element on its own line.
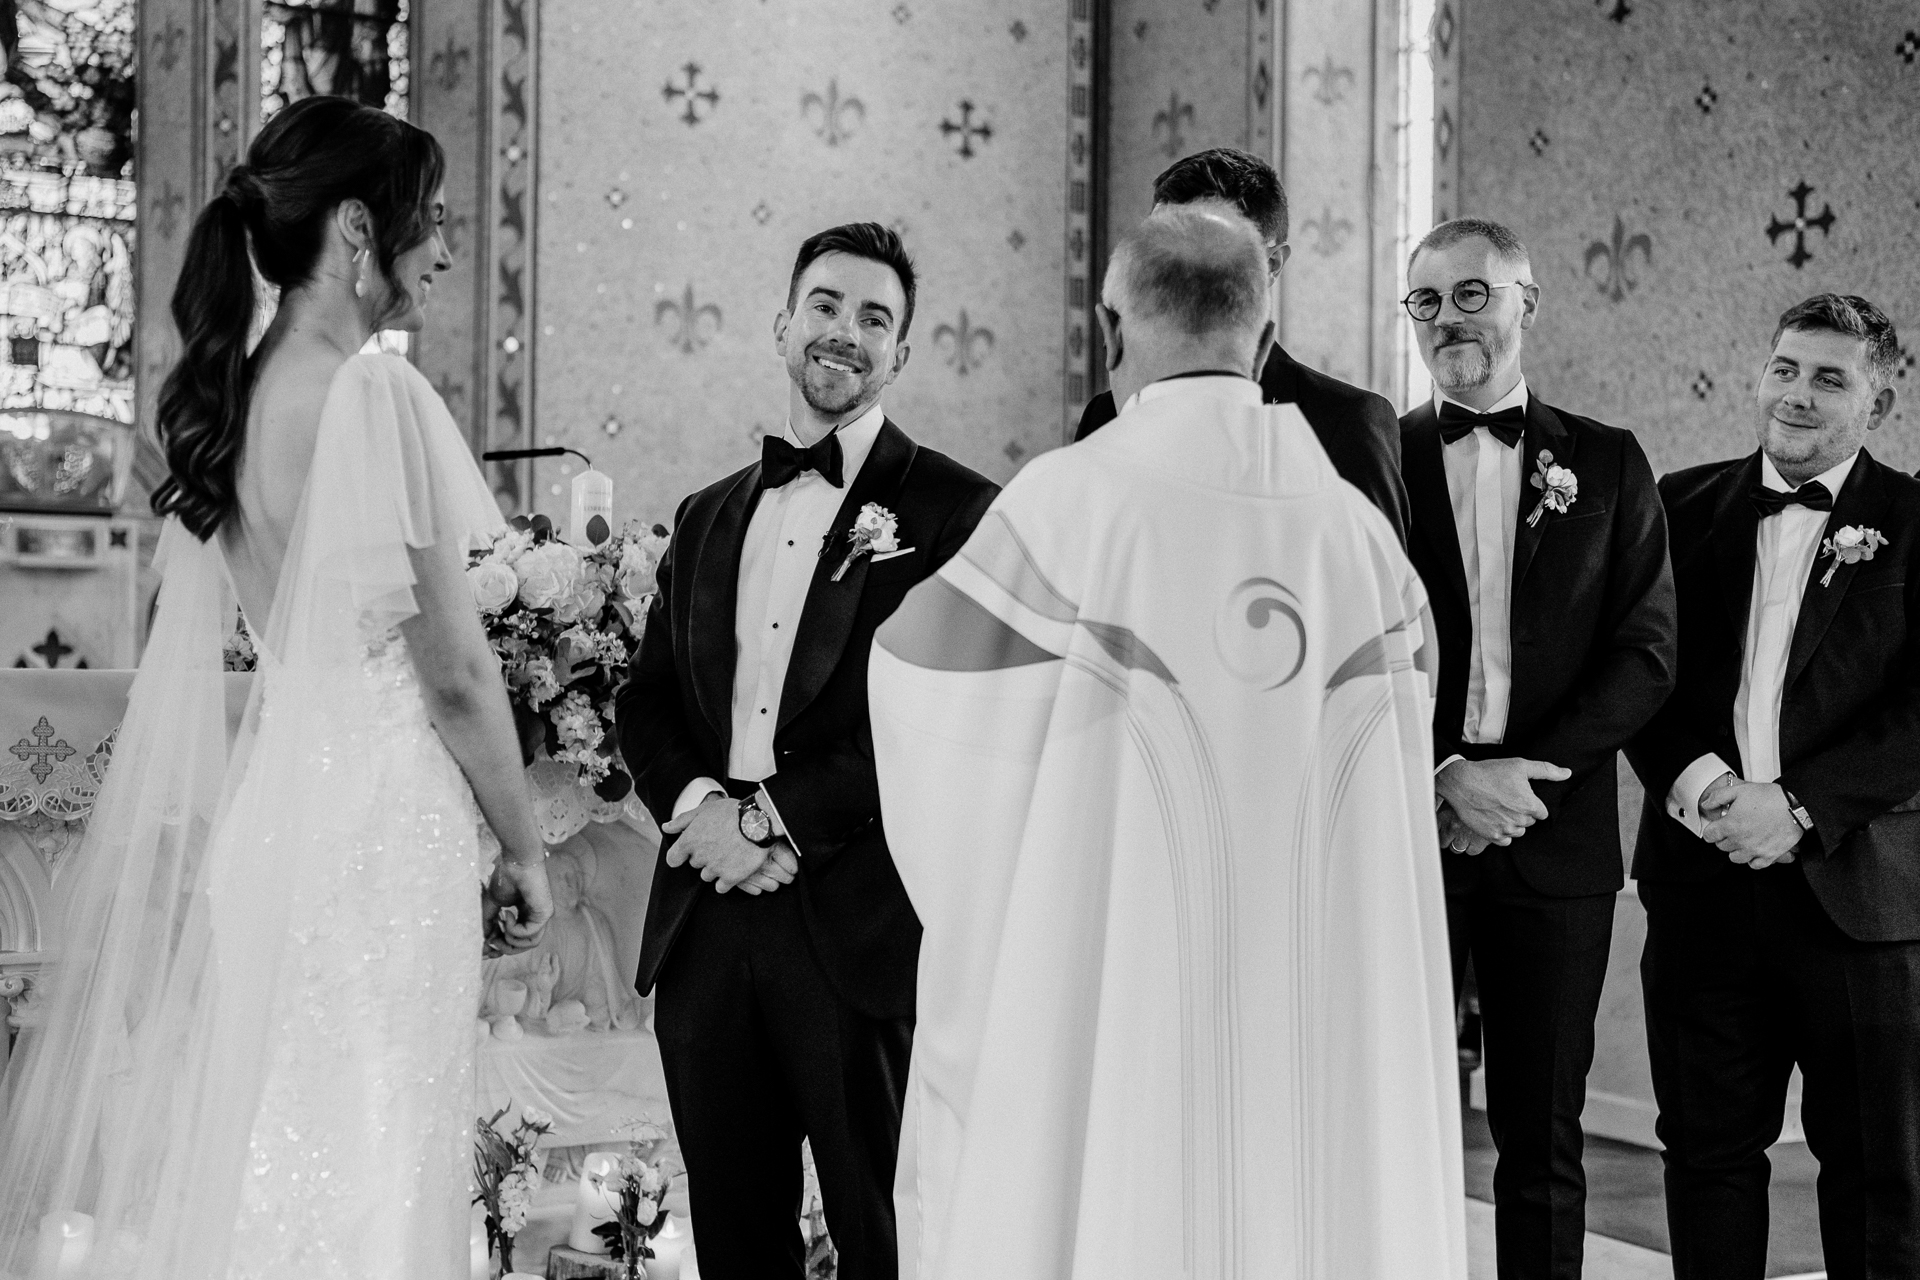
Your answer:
<point x="42" y="748"/>
<point x="692" y="93"/>
<point x="52" y="649"/>
<point x="1800" y="225"/>
<point x="967" y="129"/>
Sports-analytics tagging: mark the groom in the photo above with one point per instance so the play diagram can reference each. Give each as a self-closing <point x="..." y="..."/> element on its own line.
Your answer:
<point x="778" y="938"/>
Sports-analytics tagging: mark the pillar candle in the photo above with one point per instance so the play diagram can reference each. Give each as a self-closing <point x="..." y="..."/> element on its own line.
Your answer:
<point x="592" y="498"/>
<point x="667" y="1248"/>
<point x="66" y="1241"/>
<point x="480" y="1261"/>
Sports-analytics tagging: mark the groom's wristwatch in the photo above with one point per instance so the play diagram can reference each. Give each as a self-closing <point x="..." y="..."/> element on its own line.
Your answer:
<point x="1798" y="810"/>
<point x="755" y="826"/>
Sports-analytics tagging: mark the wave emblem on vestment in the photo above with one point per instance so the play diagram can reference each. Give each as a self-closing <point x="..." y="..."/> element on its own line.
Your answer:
<point x="1259" y="634"/>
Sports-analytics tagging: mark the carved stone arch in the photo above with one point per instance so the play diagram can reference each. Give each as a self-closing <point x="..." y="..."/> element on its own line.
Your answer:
<point x="19" y="902"/>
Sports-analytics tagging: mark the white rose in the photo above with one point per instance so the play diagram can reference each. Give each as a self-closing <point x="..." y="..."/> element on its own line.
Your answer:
<point x="1561" y="478"/>
<point x="637" y="565"/>
<point x="885" y="540"/>
<point x="548" y="574"/>
<point x="494" y="585"/>
<point x="585" y="601"/>
<point x="1849" y="537"/>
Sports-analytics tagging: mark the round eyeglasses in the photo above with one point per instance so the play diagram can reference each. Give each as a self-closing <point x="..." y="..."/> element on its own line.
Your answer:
<point x="1468" y="295"/>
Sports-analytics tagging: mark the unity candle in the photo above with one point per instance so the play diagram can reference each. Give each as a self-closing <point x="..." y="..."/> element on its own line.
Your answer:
<point x="66" y="1241"/>
<point x="591" y="521"/>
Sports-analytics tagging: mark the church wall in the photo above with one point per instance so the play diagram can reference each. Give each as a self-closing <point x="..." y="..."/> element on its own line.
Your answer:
<point x="1649" y="155"/>
<point x="685" y="151"/>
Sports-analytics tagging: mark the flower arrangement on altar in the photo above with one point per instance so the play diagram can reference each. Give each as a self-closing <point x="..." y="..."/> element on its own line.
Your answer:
<point x="507" y="1173"/>
<point x="564" y="623"/>
<point x="636" y="1188"/>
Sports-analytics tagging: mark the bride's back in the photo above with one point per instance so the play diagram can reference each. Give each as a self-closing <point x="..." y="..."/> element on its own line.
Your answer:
<point x="283" y="422"/>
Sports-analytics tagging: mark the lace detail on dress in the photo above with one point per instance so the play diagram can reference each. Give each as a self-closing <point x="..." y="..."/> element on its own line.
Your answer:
<point x="358" y="1163"/>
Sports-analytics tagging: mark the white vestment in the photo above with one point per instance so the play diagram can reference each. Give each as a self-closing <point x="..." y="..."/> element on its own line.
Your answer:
<point x="1155" y="768"/>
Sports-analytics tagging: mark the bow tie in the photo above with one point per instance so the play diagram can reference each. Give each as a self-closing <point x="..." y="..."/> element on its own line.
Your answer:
<point x="781" y="462"/>
<point x="1771" y="502"/>
<point x="1457" y="420"/>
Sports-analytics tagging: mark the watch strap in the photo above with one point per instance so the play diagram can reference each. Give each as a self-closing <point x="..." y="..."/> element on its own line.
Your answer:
<point x="752" y="803"/>
<point x="1798" y="810"/>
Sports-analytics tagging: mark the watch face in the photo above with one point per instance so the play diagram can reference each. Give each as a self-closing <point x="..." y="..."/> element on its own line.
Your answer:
<point x="755" y="825"/>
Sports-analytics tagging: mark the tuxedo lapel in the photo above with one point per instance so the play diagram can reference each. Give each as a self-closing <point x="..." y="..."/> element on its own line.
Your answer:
<point x="827" y="618"/>
<point x="716" y="590"/>
<point x="1279" y="383"/>
<point x="1545" y="432"/>
<point x="1862" y="500"/>
<point x="1735" y="527"/>
<point x="1426" y="475"/>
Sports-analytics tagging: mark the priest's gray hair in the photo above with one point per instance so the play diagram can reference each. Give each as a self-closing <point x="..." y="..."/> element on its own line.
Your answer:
<point x="1194" y="270"/>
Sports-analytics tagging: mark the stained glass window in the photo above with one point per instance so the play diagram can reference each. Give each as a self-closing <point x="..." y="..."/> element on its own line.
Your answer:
<point x="355" y="48"/>
<point x="67" y="205"/>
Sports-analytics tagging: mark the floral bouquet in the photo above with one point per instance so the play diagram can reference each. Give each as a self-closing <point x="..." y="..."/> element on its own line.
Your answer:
<point x="564" y="624"/>
<point x="507" y="1174"/>
<point x="642" y="1185"/>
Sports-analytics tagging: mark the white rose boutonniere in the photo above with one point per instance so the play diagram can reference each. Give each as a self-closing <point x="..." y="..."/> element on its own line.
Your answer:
<point x="873" y="533"/>
<point x="1848" y="545"/>
<point x="1558" y="487"/>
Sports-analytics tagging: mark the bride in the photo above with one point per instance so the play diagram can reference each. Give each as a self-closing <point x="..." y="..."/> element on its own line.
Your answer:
<point x="257" y="1058"/>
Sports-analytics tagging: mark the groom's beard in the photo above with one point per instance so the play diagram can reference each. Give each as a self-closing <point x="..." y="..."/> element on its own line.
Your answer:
<point x="831" y="394"/>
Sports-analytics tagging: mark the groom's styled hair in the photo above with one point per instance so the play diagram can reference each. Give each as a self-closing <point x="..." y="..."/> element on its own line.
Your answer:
<point x="862" y="240"/>
<point x="1239" y="177"/>
<point x="1855" y="317"/>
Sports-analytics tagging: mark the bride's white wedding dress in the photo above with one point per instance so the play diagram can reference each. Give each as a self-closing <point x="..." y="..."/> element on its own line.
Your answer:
<point x="258" y="1052"/>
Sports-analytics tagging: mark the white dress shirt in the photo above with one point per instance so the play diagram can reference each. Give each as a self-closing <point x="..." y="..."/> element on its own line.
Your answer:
<point x="777" y="561"/>
<point x="1483" y="481"/>
<point x="1785" y="546"/>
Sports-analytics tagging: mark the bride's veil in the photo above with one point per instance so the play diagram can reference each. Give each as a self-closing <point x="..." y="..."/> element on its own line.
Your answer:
<point x="133" y="1100"/>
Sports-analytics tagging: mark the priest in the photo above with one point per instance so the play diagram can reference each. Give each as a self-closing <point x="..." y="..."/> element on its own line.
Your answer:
<point x="1155" y="770"/>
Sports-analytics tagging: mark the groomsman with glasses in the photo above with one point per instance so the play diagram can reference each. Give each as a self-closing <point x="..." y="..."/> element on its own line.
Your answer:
<point x="1779" y="850"/>
<point x="1541" y="540"/>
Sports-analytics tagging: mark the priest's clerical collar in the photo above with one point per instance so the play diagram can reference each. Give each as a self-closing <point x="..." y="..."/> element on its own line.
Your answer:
<point x="1514" y="399"/>
<point x="1833" y="478"/>
<point x="1212" y="382"/>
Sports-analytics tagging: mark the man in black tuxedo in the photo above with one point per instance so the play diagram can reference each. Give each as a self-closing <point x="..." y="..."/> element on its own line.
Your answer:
<point x="1779" y="850"/>
<point x="1357" y="428"/>
<point x="1540" y="537"/>
<point x="785" y="1009"/>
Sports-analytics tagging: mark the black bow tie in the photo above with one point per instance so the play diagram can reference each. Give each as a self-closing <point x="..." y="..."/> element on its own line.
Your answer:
<point x="1771" y="502"/>
<point x="781" y="461"/>
<point x="1457" y="420"/>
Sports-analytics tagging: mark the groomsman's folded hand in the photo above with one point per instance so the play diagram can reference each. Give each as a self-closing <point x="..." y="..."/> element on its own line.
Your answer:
<point x="1753" y="824"/>
<point x="1494" y="799"/>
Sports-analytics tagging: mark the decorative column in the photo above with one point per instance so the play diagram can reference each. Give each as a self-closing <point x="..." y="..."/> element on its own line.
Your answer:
<point x="1446" y="111"/>
<point x="199" y="93"/>
<point x="475" y="90"/>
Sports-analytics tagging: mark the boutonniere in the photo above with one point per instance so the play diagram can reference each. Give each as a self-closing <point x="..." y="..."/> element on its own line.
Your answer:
<point x="873" y="531"/>
<point x="1853" y="543"/>
<point x="1558" y="487"/>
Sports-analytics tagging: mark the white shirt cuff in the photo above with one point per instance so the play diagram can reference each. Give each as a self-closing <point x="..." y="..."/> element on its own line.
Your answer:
<point x="779" y="827"/>
<point x="1683" y="798"/>
<point x="1444" y="763"/>
<point x="694" y="793"/>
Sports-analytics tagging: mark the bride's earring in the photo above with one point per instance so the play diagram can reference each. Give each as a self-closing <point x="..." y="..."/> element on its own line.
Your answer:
<point x="360" y="285"/>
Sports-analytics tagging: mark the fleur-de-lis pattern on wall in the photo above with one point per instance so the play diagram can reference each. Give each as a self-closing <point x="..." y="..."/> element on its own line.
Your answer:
<point x="834" y="118"/>
<point x="1615" y="258"/>
<point x="1167" y="120"/>
<point x="444" y="66"/>
<point x="1329" y="233"/>
<point x="966" y="344"/>
<point x="691" y="325"/>
<point x="1334" y="80"/>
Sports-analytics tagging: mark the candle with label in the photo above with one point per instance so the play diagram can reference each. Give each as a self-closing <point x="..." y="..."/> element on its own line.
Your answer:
<point x="590" y="522"/>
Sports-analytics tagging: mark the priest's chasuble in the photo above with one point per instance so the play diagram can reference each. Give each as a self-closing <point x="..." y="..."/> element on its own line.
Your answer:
<point x="1155" y="768"/>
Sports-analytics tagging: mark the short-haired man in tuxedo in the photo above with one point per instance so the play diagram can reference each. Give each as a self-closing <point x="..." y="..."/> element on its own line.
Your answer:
<point x="1541" y="540"/>
<point x="1779" y="850"/>
<point x="1357" y="428"/>
<point x="785" y="1010"/>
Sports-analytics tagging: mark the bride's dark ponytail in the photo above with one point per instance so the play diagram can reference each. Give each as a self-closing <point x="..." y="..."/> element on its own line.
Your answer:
<point x="315" y="154"/>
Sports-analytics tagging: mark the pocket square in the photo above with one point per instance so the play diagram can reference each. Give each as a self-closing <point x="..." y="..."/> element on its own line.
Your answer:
<point x="891" y="555"/>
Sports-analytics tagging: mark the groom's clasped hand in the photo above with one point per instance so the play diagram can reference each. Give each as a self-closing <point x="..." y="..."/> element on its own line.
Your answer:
<point x="710" y="840"/>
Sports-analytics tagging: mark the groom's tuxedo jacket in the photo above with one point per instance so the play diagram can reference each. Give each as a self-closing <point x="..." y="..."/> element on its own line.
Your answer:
<point x="1591" y="624"/>
<point x="1849" y="706"/>
<point x="676" y="723"/>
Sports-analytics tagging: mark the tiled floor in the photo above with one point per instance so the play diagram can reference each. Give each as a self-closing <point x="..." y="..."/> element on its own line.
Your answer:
<point x="1625" y="1204"/>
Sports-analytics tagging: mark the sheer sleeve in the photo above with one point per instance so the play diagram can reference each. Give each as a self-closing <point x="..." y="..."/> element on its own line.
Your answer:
<point x="391" y="472"/>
